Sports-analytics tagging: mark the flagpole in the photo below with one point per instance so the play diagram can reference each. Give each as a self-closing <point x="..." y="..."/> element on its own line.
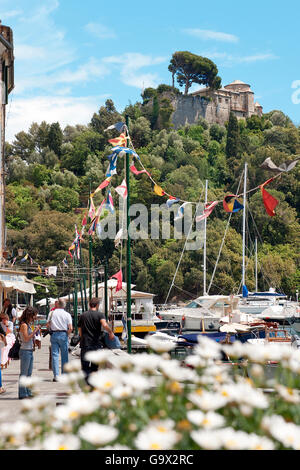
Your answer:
<point x="244" y="225"/>
<point x="128" y="264"/>
<point x="90" y="260"/>
<point x="204" y="246"/>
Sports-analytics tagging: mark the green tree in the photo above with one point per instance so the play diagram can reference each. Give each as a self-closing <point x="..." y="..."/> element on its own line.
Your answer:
<point x="55" y="138"/>
<point x="190" y="68"/>
<point x="233" y="142"/>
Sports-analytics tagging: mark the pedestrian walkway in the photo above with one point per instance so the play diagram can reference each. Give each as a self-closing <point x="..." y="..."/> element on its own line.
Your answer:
<point x="10" y="405"/>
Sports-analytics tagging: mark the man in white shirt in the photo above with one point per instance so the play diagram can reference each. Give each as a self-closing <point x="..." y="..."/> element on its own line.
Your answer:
<point x="60" y="326"/>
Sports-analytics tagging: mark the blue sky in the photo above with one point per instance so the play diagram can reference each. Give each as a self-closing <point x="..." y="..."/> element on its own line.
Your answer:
<point x="70" y="56"/>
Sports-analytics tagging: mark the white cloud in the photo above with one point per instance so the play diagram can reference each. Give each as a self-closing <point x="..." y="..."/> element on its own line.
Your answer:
<point x="228" y="60"/>
<point x="65" y="110"/>
<point x="10" y="14"/>
<point x="93" y="69"/>
<point x="100" y="31"/>
<point x="130" y="63"/>
<point x="207" y="35"/>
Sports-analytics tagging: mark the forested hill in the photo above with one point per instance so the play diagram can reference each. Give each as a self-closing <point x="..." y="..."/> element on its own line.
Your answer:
<point x="51" y="170"/>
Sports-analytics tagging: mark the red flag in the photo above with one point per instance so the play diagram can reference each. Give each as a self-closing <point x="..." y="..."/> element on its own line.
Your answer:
<point x="101" y="186"/>
<point x="207" y="211"/>
<point x="136" y="172"/>
<point x="119" y="278"/>
<point x="121" y="140"/>
<point x="269" y="201"/>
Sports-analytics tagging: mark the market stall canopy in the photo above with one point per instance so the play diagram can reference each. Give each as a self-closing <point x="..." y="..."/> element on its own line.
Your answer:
<point x="43" y="302"/>
<point x="16" y="280"/>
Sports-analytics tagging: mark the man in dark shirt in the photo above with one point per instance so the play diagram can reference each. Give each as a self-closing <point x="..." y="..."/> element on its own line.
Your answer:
<point x="90" y="327"/>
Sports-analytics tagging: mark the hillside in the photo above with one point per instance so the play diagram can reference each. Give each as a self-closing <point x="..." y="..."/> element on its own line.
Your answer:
<point x="51" y="171"/>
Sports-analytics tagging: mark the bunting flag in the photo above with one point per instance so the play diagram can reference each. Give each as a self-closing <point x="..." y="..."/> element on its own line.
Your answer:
<point x="122" y="189"/>
<point x="172" y="200"/>
<point x="138" y="172"/>
<point x="268" y="164"/>
<point x="102" y="185"/>
<point x="98" y="229"/>
<point x="112" y="168"/>
<point x="99" y="210"/>
<point x="180" y="212"/>
<point x="119" y="126"/>
<point x="109" y="202"/>
<point x="65" y="261"/>
<point x="269" y="201"/>
<point x="25" y="258"/>
<point x="93" y="226"/>
<point x="39" y="269"/>
<point x="231" y="204"/>
<point x="118" y="237"/>
<point x="120" y="149"/>
<point x="158" y="190"/>
<point x="209" y="207"/>
<point x="119" y="278"/>
<point x="83" y="225"/>
<point x="91" y="213"/>
<point x="13" y="261"/>
<point x="121" y="140"/>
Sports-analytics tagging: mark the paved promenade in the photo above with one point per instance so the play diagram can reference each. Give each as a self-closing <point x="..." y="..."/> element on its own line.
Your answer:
<point x="10" y="405"/>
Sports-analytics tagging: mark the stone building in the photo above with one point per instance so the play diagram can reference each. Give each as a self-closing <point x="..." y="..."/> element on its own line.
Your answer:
<point x="215" y="105"/>
<point x="6" y="86"/>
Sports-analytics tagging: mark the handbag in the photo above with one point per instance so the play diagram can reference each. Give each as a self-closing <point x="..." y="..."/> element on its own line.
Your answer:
<point x="14" y="352"/>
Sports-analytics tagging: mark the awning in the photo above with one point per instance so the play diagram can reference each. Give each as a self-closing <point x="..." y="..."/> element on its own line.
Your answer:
<point x="20" y="286"/>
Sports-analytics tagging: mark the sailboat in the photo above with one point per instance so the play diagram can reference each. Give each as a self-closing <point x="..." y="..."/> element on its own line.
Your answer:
<point x="269" y="305"/>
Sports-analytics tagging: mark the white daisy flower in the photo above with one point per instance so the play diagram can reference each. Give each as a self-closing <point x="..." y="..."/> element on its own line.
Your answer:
<point x="73" y="366"/>
<point x="208" y="420"/>
<point x="288" y="394"/>
<point x="160" y="346"/>
<point x="61" y="442"/>
<point x="156" y="437"/>
<point x="207" y="401"/>
<point x="105" y="380"/>
<point x="100" y="356"/>
<point x="208" y="440"/>
<point x="97" y="434"/>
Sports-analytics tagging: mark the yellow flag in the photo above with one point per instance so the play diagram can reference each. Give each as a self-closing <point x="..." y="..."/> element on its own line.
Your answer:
<point x="158" y="190"/>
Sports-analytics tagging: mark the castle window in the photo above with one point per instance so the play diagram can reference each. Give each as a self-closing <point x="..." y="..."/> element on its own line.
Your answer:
<point x="220" y="100"/>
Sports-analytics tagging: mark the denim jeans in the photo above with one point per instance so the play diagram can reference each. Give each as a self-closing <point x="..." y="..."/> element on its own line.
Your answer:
<point x="26" y="366"/>
<point x="59" y="342"/>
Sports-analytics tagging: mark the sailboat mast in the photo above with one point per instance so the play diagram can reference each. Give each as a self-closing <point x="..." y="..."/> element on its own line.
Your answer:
<point x="204" y="246"/>
<point x="256" y="283"/>
<point x="244" y="225"/>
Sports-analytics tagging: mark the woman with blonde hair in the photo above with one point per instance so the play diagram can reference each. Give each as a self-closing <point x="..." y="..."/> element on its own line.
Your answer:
<point x="27" y="334"/>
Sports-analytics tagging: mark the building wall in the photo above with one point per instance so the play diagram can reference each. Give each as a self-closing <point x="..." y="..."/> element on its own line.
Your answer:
<point x="214" y="107"/>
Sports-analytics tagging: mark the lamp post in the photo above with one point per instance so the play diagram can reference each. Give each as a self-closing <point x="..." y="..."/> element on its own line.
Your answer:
<point x="128" y="263"/>
<point x="104" y="271"/>
<point x="297" y="293"/>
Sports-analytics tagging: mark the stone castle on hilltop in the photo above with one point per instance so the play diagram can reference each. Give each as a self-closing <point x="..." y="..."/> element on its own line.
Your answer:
<point x="215" y="105"/>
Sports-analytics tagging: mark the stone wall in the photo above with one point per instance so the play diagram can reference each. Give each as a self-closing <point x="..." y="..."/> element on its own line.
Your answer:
<point x="188" y="109"/>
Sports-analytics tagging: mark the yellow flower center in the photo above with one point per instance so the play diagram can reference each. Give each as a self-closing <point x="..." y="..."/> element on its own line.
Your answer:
<point x="74" y="414"/>
<point x="199" y="391"/>
<point x="184" y="425"/>
<point x="108" y="384"/>
<point x="162" y="429"/>
<point x="155" y="446"/>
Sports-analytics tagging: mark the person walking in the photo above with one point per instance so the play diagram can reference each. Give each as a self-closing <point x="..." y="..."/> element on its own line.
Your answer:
<point x="90" y="327"/>
<point x="2" y="345"/>
<point x="60" y="327"/>
<point x="27" y="333"/>
<point x="9" y="310"/>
